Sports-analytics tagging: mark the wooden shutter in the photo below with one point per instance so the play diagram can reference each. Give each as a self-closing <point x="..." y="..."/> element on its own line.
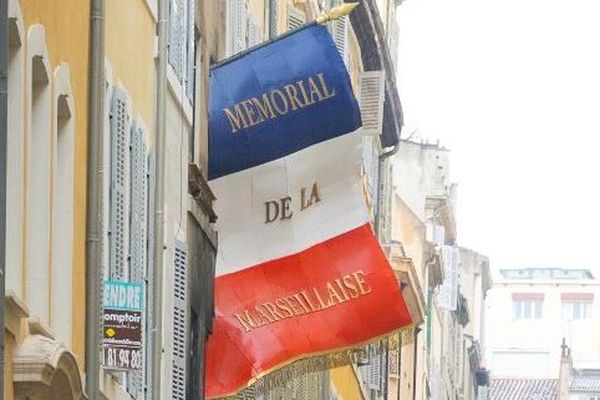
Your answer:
<point x="150" y="274"/>
<point x="179" y="323"/>
<point x="295" y="17"/>
<point x="138" y="232"/>
<point x="371" y="101"/>
<point x="339" y="30"/>
<point x="371" y="165"/>
<point x="190" y="52"/>
<point x="120" y="127"/>
<point x="374" y="374"/>
<point x="238" y="16"/>
<point x="106" y="181"/>
<point x="273" y="18"/>
<point x="177" y="36"/>
<point x="254" y="32"/>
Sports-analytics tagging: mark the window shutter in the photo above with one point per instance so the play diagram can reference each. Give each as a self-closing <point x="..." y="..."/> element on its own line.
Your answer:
<point x="295" y="18"/>
<point x="273" y="18"/>
<point x="371" y="165"/>
<point x="339" y="29"/>
<point x="374" y="375"/>
<point x="139" y="201"/>
<point x="179" y="323"/>
<point x="106" y="179"/>
<point x="120" y="127"/>
<point x="254" y="32"/>
<point x="238" y="16"/>
<point x="138" y="232"/>
<point x="190" y="50"/>
<point x="150" y="274"/>
<point x="371" y="101"/>
<point x="177" y="23"/>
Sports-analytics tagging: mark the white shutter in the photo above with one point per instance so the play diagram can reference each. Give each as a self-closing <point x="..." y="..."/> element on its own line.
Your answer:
<point x="120" y="126"/>
<point x="177" y="23"/>
<point x="150" y="276"/>
<point x="371" y="165"/>
<point x="339" y="31"/>
<point x="254" y="32"/>
<point x="274" y="18"/>
<point x="238" y="16"/>
<point x="138" y="235"/>
<point x="295" y="17"/>
<point x="106" y="179"/>
<point x="179" y="323"/>
<point x="190" y="50"/>
<point x="371" y="101"/>
<point x="139" y="205"/>
<point x="374" y="375"/>
<point x="448" y="294"/>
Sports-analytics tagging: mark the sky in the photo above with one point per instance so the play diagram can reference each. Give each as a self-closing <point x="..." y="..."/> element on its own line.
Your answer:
<point x="512" y="88"/>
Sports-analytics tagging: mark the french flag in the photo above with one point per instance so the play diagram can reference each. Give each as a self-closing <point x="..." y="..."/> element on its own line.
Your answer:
<point x="299" y="270"/>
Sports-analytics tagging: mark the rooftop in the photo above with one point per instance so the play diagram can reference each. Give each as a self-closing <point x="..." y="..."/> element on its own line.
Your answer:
<point x="585" y="381"/>
<point x="546" y="273"/>
<point x="524" y="389"/>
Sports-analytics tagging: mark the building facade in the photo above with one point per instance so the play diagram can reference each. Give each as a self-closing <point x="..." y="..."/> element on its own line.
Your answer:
<point x="49" y="120"/>
<point x="446" y="358"/>
<point x="531" y="310"/>
<point x="46" y="189"/>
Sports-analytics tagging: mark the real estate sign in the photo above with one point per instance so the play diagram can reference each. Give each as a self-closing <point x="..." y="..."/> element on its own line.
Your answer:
<point x="122" y="326"/>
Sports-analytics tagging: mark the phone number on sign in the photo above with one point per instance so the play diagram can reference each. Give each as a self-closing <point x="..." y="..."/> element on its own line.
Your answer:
<point x="122" y="358"/>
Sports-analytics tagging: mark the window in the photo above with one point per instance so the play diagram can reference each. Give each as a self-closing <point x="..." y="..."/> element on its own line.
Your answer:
<point x="15" y="152"/>
<point x="527" y="309"/>
<point x="38" y="175"/>
<point x="528" y="305"/>
<point x="182" y="43"/>
<point x="576" y="310"/>
<point x="577" y="305"/>
<point x="62" y="206"/>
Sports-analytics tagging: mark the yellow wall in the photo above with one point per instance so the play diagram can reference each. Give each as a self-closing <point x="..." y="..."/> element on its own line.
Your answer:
<point x="66" y="23"/>
<point x="345" y="383"/>
<point x="129" y="42"/>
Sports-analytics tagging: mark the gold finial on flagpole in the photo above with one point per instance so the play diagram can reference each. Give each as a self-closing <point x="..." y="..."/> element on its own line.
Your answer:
<point x="336" y="13"/>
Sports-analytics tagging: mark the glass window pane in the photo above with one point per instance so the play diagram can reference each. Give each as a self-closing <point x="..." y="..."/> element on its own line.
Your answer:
<point x="539" y="305"/>
<point x="527" y="309"/>
<point x="516" y="309"/>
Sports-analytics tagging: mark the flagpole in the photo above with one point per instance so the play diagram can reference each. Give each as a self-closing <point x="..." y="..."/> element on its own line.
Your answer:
<point x="333" y="13"/>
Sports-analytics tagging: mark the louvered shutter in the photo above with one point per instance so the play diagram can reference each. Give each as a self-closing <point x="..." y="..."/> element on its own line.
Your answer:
<point x="106" y="179"/>
<point x="179" y="323"/>
<point x="138" y="235"/>
<point x="374" y="374"/>
<point x="339" y="29"/>
<point x="150" y="276"/>
<point x="295" y="17"/>
<point x="177" y="36"/>
<point x="254" y="32"/>
<point x="371" y="165"/>
<point x="273" y="18"/>
<point x="371" y="101"/>
<point x="238" y="16"/>
<point x="120" y="126"/>
<point x="190" y="50"/>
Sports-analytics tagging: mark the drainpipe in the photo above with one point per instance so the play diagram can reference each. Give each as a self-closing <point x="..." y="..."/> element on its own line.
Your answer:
<point x="415" y="353"/>
<point x="3" y="155"/>
<point x="159" y="197"/>
<point x="93" y="239"/>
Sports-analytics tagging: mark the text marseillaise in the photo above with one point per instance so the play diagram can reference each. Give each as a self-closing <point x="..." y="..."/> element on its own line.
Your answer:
<point x="338" y="291"/>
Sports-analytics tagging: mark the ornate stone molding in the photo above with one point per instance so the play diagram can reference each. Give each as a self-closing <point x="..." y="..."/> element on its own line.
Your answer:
<point x="45" y="369"/>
